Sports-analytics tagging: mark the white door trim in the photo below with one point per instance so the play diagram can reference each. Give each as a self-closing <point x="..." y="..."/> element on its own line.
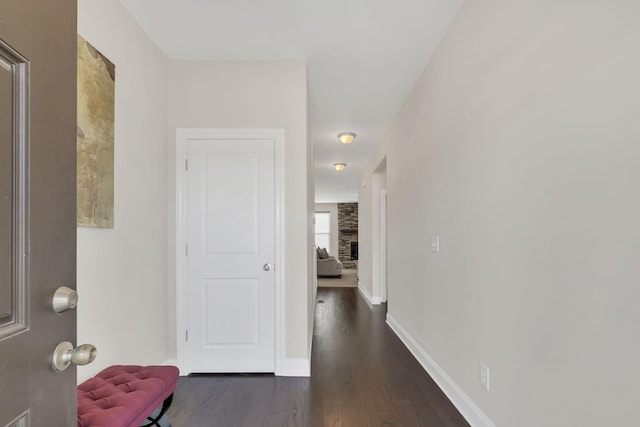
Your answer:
<point x="383" y="245"/>
<point x="182" y="136"/>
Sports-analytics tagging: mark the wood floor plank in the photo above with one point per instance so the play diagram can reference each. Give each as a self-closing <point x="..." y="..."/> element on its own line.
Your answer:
<point x="361" y="375"/>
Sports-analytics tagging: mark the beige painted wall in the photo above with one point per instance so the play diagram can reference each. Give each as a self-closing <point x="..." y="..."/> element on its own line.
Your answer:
<point x="122" y="277"/>
<point x="124" y="270"/>
<point x="369" y="230"/>
<point x="254" y="94"/>
<point x="519" y="148"/>
<point x="312" y="280"/>
<point x="365" y="233"/>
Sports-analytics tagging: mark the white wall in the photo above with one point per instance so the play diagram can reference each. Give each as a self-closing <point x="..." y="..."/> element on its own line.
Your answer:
<point x="312" y="278"/>
<point x="255" y="94"/>
<point x="332" y="208"/>
<point x="366" y="232"/>
<point x="369" y="231"/>
<point x="122" y="275"/>
<point x="519" y="148"/>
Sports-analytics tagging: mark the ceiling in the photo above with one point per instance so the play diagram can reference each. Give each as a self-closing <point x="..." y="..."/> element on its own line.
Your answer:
<point x="363" y="58"/>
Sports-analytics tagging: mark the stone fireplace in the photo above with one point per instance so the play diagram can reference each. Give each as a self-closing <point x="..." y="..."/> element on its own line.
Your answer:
<point x="347" y="232"/>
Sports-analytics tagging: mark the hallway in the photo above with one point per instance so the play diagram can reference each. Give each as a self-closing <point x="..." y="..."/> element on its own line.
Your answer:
<point x="362" y="375"/>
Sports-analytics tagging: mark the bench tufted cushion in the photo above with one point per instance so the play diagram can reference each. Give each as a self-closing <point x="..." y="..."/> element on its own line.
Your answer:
<point x="124" y="395"/>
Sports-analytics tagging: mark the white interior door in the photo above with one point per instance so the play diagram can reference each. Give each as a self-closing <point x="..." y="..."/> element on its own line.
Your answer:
<point x="230" y="282"/>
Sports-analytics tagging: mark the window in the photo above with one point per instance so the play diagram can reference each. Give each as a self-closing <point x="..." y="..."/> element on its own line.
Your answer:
<point x="323" y="229"/>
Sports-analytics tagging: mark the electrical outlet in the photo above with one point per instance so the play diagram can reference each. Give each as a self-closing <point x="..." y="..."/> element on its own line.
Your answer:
<point x="484" y="376"/>
<point x="435" y="244"/>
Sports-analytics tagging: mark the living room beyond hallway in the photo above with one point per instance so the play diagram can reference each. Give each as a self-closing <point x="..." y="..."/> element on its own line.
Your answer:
<point x="349" y="279"/>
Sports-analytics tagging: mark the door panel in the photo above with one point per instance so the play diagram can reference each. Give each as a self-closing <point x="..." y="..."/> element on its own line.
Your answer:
<point x="37" y="191"/>
<point x="13" y="234"/>
<point x="6" y="191"/>
<point x="231" y="235"/>
<point x="231" y="227"/>
<point x="227" y="299"/>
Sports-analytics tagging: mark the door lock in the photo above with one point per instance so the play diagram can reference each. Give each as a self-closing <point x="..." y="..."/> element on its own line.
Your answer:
<point x="64" y="299"/>
<point x="65" y="354"/>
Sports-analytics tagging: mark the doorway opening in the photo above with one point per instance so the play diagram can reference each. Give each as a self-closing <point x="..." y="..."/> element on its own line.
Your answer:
<point x="379" y="237"/>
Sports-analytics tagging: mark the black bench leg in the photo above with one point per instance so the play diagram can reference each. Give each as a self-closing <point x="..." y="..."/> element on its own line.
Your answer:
<point x="165" y="406"/>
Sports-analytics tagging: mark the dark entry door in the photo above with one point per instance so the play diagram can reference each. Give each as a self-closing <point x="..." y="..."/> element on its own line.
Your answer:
<point x="37" y="208"/>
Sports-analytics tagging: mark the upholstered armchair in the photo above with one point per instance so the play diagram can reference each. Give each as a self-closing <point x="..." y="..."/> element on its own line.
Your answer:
<point x="327" y="266"/>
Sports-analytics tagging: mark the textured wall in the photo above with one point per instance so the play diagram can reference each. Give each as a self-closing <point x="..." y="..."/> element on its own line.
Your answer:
<point x="347" y="232"/>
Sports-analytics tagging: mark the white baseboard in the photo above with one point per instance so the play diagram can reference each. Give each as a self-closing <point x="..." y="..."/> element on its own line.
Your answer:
<point x="460" y="400"/>
<point x="295" y="368"/>
<point x="288" y="367"/>
<point x="370" y="299"/>
<point x="310" y="332"/>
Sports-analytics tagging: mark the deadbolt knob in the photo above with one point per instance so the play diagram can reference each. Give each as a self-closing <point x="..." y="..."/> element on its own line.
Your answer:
<point x="64" y="299"/>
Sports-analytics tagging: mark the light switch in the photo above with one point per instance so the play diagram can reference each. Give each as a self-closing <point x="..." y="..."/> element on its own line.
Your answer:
<point x="484" y="376"/>
<point x="435" y="244"/>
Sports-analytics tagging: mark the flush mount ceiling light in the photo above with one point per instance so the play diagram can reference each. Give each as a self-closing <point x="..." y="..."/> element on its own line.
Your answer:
<point x="346" y="137"/>
<point x="339" y="166"/>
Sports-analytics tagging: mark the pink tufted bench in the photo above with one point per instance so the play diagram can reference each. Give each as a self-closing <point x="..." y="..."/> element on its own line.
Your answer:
<point x="126" y="396"/>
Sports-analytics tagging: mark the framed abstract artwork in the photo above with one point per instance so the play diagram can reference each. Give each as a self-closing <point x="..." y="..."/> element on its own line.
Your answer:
<point x="95" y="137"/>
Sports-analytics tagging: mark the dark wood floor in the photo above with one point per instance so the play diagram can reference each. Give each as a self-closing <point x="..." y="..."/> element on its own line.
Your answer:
<point x="361" y="375"/>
